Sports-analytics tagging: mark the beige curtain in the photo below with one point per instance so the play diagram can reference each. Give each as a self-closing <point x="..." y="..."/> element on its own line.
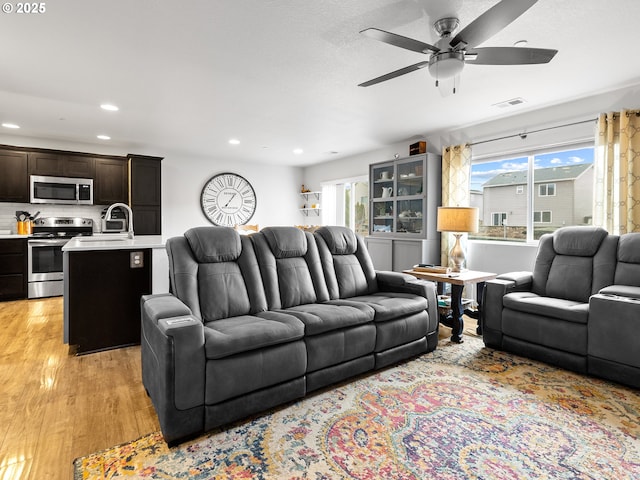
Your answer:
<point x="617" y="172"/>
<point x="456" y="186"/>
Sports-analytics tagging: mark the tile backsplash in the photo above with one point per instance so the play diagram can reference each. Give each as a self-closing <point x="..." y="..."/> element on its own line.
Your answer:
<point x="8" y="213"/>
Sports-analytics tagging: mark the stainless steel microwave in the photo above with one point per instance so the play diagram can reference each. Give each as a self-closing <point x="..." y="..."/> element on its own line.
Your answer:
<point x="61" y="190"/>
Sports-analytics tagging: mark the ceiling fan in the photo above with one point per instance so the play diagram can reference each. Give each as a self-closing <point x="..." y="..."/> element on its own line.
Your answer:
<point x="449" y="55"/>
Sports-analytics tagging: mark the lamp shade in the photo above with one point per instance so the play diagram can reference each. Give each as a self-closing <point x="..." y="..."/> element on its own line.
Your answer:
<point x="457" y="219"/>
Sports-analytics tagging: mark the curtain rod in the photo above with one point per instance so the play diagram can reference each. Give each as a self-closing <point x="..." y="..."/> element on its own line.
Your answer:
<point x="523" y="135"/>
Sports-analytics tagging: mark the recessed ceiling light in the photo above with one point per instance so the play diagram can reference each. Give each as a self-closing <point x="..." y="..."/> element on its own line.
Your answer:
<point x="298" y="151"/>
<point x="234" y="141"/>
<point x="109" y="107"/>
<point x="521" y="43"/>
<point x="10" y="125"/>
<point x="104" y="137"/>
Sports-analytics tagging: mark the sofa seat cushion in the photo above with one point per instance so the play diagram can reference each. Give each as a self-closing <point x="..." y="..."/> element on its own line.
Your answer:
<point x="324" y="317"/>
<point x="230" y="336"/>
<point x="559" y="308"/>
<point x="339" y="346"/>
<point x="544" y="331"/>
<point x="252" y="371"/>
<point x="401" y="331"/>
<point x="389" y="305"/>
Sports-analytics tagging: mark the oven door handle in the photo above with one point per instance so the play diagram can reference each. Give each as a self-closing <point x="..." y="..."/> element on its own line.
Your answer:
<point x="47" y="243"/>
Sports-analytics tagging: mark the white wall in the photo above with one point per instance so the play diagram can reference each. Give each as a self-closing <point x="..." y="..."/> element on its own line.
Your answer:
<point x="500" y="257"/>
<point x="277" y="190"/>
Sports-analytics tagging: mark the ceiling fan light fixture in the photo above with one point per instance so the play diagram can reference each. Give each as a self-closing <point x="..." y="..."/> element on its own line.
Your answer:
<point x="446" y="64"/>
<point x="446" y="26"/>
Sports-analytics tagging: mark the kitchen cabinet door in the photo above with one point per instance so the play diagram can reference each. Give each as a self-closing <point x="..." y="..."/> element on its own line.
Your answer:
<point x="13" y="269"/>
<point x="61" y="165"/>
<point x="14" y="181"/>
<point x="111" y="182"/>
<point x="146" y="194"/>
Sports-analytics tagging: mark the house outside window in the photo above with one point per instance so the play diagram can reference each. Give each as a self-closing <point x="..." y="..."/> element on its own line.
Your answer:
<point x="498" y="219"/>
<point x="537" y="193"/>
<point x="542" y="217"/>
<point x="547" y="190"/>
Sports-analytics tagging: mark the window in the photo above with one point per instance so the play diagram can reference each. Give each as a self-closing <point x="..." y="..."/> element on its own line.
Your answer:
<point x="535" y="193"/>
<point x="356" y="204"/>
<point x="498" y="219"/>
<point x="547" y="190"/>
<point x="346" y="202"/>
<point x="542" y="217"/>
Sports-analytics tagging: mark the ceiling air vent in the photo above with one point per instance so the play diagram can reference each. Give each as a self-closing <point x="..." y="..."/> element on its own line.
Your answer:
<point x="509" y="103"/>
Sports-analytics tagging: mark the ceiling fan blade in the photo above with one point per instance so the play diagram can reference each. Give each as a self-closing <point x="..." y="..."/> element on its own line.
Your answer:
<point x="509" y="56"/>
<point x="399" y="41"/>
<point x="490" y="23"/>
<point x="397" y="73"/>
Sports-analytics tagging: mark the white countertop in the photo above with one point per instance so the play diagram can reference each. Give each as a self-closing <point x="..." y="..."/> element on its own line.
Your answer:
<point x="113" y="241"/>
<point x="12" y="235"/>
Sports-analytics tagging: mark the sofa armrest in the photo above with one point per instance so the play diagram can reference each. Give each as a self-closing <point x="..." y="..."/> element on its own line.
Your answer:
<point x="614" y="330"/>
<point x="627" y="291"/>
<point x="494" y="290"/>
<point x="405" y="283"/>
<point x="173" y="364"/>
<point x="521" y="280"/>
<point x="176" y="342"/>
<point x="164" y="305"/>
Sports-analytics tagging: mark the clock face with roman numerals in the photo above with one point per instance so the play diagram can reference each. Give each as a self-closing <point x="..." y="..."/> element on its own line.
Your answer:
<point x="228" y="199"/>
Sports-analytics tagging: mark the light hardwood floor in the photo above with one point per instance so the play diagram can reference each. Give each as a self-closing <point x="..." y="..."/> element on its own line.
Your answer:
<point x="54" y="406"/>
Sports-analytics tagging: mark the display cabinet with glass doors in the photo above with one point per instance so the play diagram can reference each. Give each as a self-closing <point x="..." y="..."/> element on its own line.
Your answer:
<point x="405" y="194"/>
<point x="404" y="197"/>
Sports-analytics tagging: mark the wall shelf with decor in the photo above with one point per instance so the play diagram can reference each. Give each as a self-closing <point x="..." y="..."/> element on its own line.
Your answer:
<point x="311" y="204"/>
<point x="404" y="195"/>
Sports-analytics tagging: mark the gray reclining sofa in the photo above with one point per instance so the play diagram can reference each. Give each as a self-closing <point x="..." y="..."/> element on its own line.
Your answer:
<point x="578" y="309"/>
<point x="256" y="321"/>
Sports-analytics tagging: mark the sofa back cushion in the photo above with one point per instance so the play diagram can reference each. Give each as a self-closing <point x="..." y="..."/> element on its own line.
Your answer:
<point x="628" y="267"/>
<point x="290" y="267"/>
<point x="346" y="262"/>
<point x="215" y="272"/>
<point x="574" y="262"/>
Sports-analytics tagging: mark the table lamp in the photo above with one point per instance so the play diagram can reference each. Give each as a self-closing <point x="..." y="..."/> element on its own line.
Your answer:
<point x="458" y="220"/>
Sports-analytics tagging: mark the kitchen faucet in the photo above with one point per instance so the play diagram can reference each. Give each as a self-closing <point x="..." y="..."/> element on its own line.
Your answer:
<point x="129" y="216"/>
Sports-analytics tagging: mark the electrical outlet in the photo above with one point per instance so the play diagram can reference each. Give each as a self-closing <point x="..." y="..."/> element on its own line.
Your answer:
<point x="136" y="259"/>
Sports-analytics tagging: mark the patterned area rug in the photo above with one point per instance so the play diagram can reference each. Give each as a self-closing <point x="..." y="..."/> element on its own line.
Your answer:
<point x="460" y="412"/>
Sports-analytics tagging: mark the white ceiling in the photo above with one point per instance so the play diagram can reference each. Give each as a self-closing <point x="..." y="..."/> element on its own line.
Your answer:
<point x="283" y="74"/>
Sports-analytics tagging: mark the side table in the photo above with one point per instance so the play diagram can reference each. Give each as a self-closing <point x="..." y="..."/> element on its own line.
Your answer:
<point x="457" y="281"/>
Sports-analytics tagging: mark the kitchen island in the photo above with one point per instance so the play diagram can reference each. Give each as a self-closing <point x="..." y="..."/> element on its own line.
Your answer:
<point x="104" y="278"/>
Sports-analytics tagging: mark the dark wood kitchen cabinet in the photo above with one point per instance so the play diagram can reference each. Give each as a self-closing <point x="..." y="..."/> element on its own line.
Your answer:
<point x="13" y="269"/>
<point x="146" y="194"/>
<point x="111" y="182"/>
<point x="102" y="297"/>
<point x="14" y="181"/>
<point x="61" y="165"/>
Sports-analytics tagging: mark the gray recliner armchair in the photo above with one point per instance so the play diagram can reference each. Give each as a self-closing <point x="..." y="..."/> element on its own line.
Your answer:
<point x="544" y="314"/>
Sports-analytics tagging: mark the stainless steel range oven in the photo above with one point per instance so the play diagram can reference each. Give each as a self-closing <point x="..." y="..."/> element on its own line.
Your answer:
<point x="49" y="235"/>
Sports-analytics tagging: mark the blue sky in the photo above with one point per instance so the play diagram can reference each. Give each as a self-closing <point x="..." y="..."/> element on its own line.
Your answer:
<point x="481" y="172"/>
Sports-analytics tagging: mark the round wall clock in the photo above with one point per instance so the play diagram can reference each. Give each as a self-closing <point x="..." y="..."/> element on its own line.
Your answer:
<point x="228" y="199"/>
